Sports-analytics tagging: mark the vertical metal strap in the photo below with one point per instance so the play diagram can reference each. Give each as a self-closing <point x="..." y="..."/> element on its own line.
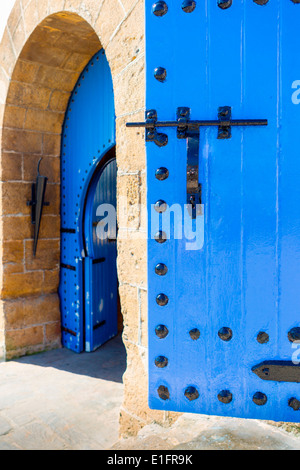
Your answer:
<point x="193" y="187"/>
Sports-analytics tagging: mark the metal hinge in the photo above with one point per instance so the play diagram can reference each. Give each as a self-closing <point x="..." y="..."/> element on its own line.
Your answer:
<point x="278" y="371"/>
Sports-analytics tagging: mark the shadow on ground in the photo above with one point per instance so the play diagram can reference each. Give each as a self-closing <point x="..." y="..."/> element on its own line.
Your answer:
<point x="107" y="363"/>
<point x="60" y="400"/>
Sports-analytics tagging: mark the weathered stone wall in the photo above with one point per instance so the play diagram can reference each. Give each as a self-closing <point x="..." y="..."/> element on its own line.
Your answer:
<point x="42" y="79"/>
<point x="45" y="46"/>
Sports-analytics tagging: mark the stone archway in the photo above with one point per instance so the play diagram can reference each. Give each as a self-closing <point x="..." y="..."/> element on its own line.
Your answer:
<point x="45" y="46"/>
<point x="43" y="78"/>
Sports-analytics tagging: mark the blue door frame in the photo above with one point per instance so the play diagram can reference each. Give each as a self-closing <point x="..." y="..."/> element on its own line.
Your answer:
<point x="220" y="311"/>
<point x="88" y="134"/>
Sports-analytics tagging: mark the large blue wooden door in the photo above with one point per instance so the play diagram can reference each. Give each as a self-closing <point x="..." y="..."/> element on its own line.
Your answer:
<point x="224" y="314"/>
<point x="101" y="285"/>
<point x="88" y="134"/>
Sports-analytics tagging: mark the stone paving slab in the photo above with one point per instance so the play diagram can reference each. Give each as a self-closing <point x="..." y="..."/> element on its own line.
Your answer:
<point x="61" y="400"/>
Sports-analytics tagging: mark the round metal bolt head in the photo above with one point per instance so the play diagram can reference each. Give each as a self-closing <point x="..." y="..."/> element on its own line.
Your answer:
<point x="259" y="399"/>
<point x="261" y="2"/>
<point x="263" y="337"/>
<point x="160" y="9"/>
<point x="161" y="331"/>
<point x="160" y="74"/>
<point x="188" y="6"/>
<point x="151" y="114"/>
<point x="191" y="393"/>
<point x="294" y="403"/>
<point x="225" y="334"/>
<point x="195" y="334"/>
<point x="160" y="237"/>
<point x="294" y="335"/>
<point x="161" y="269"/>
<point x="161" y="139"/>
<point x="183" y="112"/>
<point x="161" y="362"/>
<point x="224" y="4"/>
<point x="162" y="300"/>
<point x="223" y="134"/>
<point x="266" y="372"/>
<point x="162" y="174"/>
<point x="225" y="397"/>
<point x="224" y="111"/>
<point x="150" y="135"/>
<point x="161" y="206"/>
<point x="163" y="393"/>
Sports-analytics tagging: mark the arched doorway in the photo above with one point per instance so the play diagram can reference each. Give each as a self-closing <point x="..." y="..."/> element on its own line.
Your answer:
<point x="88" y="281"/>
<point x="42" y="58"/>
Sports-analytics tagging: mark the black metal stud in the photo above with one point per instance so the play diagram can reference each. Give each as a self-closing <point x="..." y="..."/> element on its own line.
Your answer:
<point x="224" y="4"/>
<point x="296" y="1"/>
<point x="161" y="206"/>
<point x="161" y="331"/>
<point x="191" y="393"/>
<point x="188" y="6"/>
<point x="160" y="237"/>
<point x="263" y="337"/>
<point x="162" y="174"/>
<point x="195" y="334"/>
<point x="225" y="334"/>
<point x="163" y="393"/>
<point x="160" y="74"/>
<point x="162" y="300"/>
<point x="161" y="269"/>
<point x="225" y="397"/>
<point x="161" y="362"/>
<point x="259" y="399"/>
<point x="294" y="335"/>
<point x="294" y="403"/>
<point x="160" y="8"/>
<point x="261" y="2"/>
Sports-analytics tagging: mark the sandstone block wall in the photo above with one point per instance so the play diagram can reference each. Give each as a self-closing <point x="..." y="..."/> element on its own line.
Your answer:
<point x="45" y="46"/>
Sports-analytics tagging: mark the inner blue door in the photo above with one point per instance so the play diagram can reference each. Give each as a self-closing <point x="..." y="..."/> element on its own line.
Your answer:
<point x="224" y="324"/>
<point x="101" y="286"/>
<point x="88" y="136"/>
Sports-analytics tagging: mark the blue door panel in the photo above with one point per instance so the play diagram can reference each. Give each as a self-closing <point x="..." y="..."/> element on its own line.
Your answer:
<point x="88" y="133"/>
<point x="71" y="306"/>
<point x="101" y="263"/>
<point x="259" y="208"/>
<point x="288" y="193"/>
<point x="246" y="277"/>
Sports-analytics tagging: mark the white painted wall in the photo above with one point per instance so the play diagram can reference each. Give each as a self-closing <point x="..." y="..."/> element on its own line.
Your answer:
<point x="5" y="9"/>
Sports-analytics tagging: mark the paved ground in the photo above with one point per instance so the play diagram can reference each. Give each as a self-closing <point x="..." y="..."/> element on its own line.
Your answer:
<point x="196" y="432"/>
<point x="61" y="400"/>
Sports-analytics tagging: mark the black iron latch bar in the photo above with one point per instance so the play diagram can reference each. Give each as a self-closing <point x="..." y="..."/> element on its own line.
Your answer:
<point x="224" y="122"/>
<point x="190" y="130"/>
